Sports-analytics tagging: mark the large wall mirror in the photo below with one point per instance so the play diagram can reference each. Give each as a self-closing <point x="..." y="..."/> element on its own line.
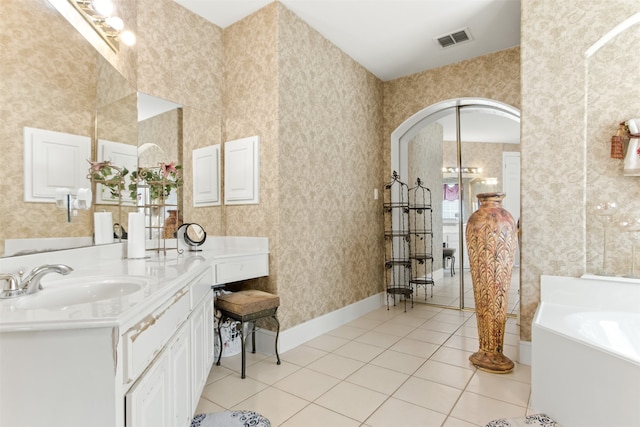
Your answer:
<point x="53" y="79"/>
<point x="459" y="149"/>
<point x="612" y="66"/>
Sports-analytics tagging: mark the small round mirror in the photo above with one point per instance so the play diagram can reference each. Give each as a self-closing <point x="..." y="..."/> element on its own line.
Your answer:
<point x="194" y="234"/>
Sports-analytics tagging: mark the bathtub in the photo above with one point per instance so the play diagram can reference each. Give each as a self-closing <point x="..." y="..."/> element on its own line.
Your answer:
<point x="585" y="351"/>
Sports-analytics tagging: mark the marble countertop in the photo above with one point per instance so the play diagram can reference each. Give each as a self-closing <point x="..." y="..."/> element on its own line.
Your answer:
<point x="166" y="275"/>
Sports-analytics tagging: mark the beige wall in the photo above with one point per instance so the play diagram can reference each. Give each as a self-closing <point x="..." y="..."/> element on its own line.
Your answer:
<point x="180" y="59"/>
<point x="317" y="113"/>
<point x="553" y="115"/>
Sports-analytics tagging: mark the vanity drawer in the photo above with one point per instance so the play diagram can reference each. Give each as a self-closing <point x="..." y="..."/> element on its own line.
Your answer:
<point x="201" y="287"/>
<point x="242" y="268"/>
<point x="147" y="338"/>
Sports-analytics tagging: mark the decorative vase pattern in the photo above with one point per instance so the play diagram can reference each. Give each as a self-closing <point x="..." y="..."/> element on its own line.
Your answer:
<point x="491" y="243"/>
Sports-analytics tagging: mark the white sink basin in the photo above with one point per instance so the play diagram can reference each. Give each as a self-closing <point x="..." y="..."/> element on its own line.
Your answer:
<point x="82" y="290"/>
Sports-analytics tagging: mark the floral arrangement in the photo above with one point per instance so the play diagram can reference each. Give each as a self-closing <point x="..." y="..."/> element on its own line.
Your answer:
<point x="160" y="180"/>
<point x="110" y="176"/>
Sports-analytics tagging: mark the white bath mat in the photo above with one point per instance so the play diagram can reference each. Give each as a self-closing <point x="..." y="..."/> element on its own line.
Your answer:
<point x="537" y="420"/>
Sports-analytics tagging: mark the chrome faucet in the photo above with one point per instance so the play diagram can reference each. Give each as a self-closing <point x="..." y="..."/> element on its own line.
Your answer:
<point x="31" y="283"/>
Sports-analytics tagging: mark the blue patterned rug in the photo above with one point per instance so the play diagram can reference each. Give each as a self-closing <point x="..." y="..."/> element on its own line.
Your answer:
<point x="230" y="419"/>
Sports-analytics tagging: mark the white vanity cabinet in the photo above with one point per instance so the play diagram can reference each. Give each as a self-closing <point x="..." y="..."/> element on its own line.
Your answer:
<point x="139" y="360"/>
<point x="181" y="336"/>
<point x="162" y="396"/>
<point x="150" y="373"/>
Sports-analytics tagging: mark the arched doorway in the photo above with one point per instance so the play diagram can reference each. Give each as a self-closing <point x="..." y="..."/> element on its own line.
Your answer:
<point x="459" y="148"/>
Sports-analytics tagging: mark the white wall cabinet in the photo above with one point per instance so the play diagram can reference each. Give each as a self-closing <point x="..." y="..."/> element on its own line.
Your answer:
<point x="242" y="171"/>
<point x="206" y="176"/>
<point x="53" y="160"/>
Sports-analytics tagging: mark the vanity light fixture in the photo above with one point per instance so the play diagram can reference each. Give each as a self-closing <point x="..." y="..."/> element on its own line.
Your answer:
<point x="465" y="169"/>
<point x="100" y="15"/>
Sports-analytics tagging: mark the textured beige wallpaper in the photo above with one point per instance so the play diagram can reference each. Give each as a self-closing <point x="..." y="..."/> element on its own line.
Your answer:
<point x="165" y="132"/>
<point x="251" y="108"/>
<point x="47" y="81"/>
<point x="317" y="113"/>
<point x="554" y="186"/>
<point x="330" y="152"/>
<point x="425" y="154"/>
<point x="180" y="59"/>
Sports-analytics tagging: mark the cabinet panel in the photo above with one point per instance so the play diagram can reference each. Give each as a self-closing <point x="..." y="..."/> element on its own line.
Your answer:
<point x="148" y="401"/>
<point x="202" y="346"/>
<point x="242" y="171"/>
<point x="53" y="160"/>
<point x="180" y="361"/>
<point x="242" y="268"/>
<point x="206" y="176"/>
<point x="146" y="339"/>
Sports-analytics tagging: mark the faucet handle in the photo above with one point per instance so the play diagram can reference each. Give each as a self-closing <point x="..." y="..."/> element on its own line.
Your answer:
<point x="14" y="289"/>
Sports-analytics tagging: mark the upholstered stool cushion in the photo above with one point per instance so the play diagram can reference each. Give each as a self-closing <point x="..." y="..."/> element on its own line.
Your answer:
<point x="247" y="302"/>
<point x="230" y="419"/>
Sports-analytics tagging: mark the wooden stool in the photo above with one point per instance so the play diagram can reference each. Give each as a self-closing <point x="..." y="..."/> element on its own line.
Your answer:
<point x="247" y="307"/>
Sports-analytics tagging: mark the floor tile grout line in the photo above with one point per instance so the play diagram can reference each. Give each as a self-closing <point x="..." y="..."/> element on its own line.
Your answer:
<point x="411" y="327"/>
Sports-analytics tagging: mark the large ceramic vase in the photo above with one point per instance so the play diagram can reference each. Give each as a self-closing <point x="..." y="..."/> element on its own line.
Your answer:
<point x="491" y="243"/>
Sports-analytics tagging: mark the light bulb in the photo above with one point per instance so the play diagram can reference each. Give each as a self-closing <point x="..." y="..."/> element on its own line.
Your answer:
<point x="103" y="7"/>
<point x="115" y="22"/>
<point x="127" y="37"/>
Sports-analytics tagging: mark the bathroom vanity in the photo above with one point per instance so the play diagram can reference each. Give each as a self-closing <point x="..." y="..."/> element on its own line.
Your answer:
<point x="132" y="348"/>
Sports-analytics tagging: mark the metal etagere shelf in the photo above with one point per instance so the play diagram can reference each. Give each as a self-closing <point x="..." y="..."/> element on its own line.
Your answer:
<point x="154" y="186"/>
<point x="421" y="237"/>
<point x="397" y="260"/>
<point x="155" y="211"/>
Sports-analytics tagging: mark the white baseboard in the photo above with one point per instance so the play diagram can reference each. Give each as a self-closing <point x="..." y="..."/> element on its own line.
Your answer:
<point x="313" y="328"/>
<point x="524" y="354"/>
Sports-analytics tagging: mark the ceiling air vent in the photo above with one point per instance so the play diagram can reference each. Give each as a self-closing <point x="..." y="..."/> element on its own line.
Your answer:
<point x="454" y="38"/>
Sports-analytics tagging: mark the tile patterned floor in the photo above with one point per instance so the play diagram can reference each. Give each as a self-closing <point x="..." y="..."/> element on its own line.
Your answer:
<point x="386" y="368"/>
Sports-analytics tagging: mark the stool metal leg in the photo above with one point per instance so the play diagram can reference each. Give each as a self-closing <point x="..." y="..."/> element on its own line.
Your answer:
<point x="219" y="340"/>
<point x="253" y="337"/>
<point x="277" y="335"/>
<point x="243" y="350"/>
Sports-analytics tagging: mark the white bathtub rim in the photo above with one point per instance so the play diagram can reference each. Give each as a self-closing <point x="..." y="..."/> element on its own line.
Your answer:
<point x="565" y="311"/>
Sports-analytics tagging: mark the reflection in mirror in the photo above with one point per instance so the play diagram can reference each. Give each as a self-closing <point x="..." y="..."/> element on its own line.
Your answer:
<point x="612" y="65"/>
<point x="160" y="142"/>
<point x="59" y="98"/>
<point x="457" y="173"/>
<point x="116" y="139"/>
